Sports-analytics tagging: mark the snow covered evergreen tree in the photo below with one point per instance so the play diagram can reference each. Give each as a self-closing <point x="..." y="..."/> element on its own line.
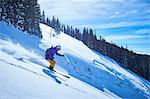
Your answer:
<point x="23" y="14"/>
<point x="84" y="36"/>
<point x="48" y="22"/>
<point x="91" y="39"/>
<point x="32" y="17"/>
<point x="20" y="14"/>
<point x="53" y="22"/>
<point x="43" y="18"/>
<point x="0" y="11"/>
<point x="4" y="6"/>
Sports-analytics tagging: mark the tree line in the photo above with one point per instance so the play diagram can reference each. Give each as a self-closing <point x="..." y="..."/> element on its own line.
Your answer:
<point x="138" y="63"/>
<point x="23" y="14"/>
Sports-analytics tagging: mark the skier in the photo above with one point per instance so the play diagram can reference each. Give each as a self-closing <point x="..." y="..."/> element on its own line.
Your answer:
<point x="49" y="55"/>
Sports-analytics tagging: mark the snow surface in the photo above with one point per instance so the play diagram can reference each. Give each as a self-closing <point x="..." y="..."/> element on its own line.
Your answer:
<point x="24" y="73"/>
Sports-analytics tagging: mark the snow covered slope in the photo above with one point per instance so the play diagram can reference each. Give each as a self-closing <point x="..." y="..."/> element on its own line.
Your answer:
<point x="95" y="69"/>
<point x="24" y="73"/>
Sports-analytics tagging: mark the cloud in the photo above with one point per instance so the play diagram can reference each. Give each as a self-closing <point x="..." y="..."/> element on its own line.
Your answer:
<point x="73" y="10"/>
<point x="124" y="37"/>
<point x="116" y="24"/>
<point x="143" y="31"/>
<point x="100" y="14"/>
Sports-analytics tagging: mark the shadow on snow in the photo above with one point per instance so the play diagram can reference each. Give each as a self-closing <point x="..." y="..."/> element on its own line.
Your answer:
<point x="51" y="74"/>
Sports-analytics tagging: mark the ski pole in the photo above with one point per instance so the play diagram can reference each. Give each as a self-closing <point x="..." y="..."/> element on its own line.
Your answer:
<point x="37" y="58"/>
<point x="67" y="59"/>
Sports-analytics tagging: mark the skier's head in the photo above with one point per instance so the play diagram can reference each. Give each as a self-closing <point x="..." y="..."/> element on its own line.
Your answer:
<point x="58" y="47"/>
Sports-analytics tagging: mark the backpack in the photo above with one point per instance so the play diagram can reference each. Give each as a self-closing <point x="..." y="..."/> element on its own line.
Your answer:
<point x="46" y="54"/>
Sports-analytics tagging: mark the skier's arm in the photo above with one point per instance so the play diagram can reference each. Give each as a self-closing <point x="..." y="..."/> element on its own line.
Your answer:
<point x="59" y="54"/>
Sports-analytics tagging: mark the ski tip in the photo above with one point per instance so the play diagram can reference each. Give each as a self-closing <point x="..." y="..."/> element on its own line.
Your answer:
<point x="67" y="76"/>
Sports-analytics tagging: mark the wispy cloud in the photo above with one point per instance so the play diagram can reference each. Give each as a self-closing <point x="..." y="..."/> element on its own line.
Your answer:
<point x="116" y="24"/>
<point x="124" y="37"/>
<point x="143" y="31"/>
<point x="81" y="10"/>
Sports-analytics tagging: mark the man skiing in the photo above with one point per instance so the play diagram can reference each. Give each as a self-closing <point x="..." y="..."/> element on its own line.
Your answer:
<point x="49" y="55"/>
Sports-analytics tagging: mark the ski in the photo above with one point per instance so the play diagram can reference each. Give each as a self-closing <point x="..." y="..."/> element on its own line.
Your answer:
<point x="61" y="74"/>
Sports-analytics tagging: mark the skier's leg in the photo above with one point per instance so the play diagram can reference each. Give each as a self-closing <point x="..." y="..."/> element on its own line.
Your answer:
<point x="52" y="64"/>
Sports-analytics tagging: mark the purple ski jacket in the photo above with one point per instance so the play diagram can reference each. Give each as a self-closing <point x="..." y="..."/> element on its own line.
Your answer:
<point x="51" y="52"/>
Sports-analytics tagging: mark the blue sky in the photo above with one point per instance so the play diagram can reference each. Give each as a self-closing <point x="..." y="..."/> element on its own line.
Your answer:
<point x="124" y="22"/>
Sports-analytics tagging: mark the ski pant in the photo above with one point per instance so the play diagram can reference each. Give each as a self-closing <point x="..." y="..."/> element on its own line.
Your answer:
<point x="52" y="63"/>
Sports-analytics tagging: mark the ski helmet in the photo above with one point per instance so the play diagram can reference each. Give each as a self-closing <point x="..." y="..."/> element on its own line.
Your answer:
<point x="58" y="47"/>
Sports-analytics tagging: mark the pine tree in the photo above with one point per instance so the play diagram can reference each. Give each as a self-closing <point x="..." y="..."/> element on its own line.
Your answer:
<point x="57" y="25"/>
<point x="48" y="22"/>
<point x="85" y="36"/>
<point x="72" y="32"/>
<point x="94" y="41"/>
<point x="4" y="7"/>
<point x="68" y="30"/>
<point x="53" y="22"/>
<point x="19" y="14"/>
<point x="10" y="11"/>
<point x="91" y="39"/>
<point x="1" y="5"/>
<point x="62" y="27"/>
<point x="42" y="20"/>
<point x="32" y="17"/>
